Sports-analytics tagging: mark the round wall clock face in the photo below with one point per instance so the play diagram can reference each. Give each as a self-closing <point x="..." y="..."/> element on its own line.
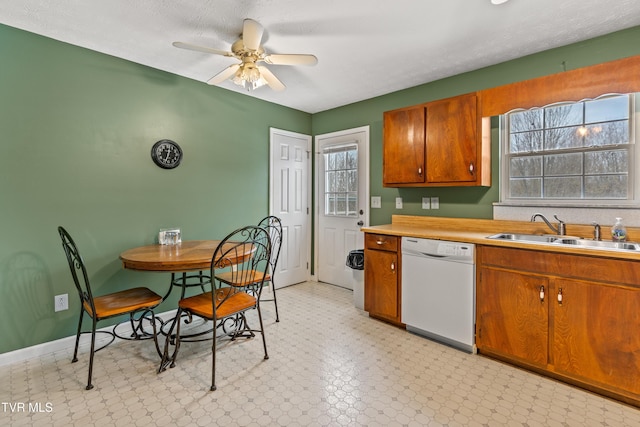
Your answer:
<point x="166" y="153"/>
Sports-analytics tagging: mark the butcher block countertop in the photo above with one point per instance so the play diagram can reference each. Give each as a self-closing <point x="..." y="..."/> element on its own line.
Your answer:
<point x="468" y="230"/>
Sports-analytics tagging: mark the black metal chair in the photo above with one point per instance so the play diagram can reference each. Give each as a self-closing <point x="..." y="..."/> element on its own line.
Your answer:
<point x="137" y="301"/>
<point x="273" y="225"/>
<point x="239" y="262"/>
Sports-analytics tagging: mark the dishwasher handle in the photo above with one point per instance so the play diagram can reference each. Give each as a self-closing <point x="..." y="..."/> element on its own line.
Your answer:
<point x="463" y="259"/>
<point x="424" y="254"/>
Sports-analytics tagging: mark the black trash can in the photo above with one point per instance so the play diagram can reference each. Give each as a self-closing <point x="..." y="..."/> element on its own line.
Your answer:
<point x="355" y="259"/>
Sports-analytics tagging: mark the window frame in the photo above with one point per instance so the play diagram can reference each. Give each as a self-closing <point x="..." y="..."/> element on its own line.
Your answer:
<point x="345" y="195"/>
<point x="633" y="186"/>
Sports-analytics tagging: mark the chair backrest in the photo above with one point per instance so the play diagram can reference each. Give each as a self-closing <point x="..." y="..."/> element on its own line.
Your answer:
<point x="273" y="225"/>
<point x="242" y="258"/>
<point x="78" y="270"/>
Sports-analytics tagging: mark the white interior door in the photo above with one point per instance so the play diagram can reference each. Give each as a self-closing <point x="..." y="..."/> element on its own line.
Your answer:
<point x="289" y="199"/>
<point x="342" y="185"/>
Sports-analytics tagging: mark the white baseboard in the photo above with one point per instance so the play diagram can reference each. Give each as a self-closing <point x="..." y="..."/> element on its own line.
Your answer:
<point x="66" y="343"/>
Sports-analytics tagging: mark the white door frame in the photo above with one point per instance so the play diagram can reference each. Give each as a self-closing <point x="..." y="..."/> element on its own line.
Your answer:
<point x="316" y="186"/>
<point x="272" y="132"/>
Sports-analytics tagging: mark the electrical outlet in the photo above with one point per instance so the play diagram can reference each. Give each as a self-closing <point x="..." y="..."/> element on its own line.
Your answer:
<point x="435" y="203"/>
<point x="61" y="302"/>
<point x="398" y="202"/>
<point x="426" y="203"/>
<point x="376" y="202"/>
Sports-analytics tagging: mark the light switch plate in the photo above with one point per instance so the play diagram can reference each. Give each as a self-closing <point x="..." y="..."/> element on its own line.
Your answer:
<point x="435" y="203"/>
<point x="398" y="202"/>
<point x="376" y="202"/>
<point x="426" y="203"/>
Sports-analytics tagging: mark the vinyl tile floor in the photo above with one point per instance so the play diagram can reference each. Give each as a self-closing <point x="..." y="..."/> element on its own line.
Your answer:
<point x="329" y="365"/>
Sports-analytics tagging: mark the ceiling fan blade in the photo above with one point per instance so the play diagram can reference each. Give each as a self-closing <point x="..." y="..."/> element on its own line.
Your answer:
<point x="291" y="59"/>
<point x="252" y="34"/>
<point x="224" y="74"/>
<point x="188" y="46"/>
<point x="271" y="80"/>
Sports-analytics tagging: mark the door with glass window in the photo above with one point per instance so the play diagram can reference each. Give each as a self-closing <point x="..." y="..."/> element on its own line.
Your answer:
<point x="342" y="194"/>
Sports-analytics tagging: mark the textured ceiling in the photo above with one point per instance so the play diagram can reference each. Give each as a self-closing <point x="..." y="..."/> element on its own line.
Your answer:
<point x="365" y="48"/>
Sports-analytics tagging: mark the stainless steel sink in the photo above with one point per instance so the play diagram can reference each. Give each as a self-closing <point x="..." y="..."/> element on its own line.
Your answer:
<point x="539" y="238"/>
<point x="567" y="241"/>
<point x="599" y="244"/>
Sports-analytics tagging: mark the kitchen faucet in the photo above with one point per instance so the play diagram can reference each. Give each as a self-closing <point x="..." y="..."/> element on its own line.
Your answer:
<point x="561" y="230"/>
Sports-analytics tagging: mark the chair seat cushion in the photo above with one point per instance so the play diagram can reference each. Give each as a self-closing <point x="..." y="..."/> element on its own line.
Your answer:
<point x="123" y="302"/>
<point x="231" y="302"/>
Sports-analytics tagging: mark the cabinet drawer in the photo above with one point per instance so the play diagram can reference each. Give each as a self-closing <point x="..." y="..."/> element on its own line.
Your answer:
<point x="381" y="242"/>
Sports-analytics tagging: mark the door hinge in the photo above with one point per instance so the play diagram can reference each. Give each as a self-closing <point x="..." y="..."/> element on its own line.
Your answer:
<point x="307" y="265"/>
<point x="307" y="210"/>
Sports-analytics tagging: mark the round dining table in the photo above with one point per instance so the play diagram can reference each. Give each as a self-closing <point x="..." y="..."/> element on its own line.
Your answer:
<point x="189" y="255"/>
<point x="189" y="263"/>
<point x="184" y="257"/>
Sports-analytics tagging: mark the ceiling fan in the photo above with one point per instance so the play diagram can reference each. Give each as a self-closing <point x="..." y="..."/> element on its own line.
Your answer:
<point x="249" y="51"/>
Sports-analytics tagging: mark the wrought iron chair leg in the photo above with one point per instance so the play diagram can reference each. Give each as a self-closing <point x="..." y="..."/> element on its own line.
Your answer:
<point x="275" y="299"/>
<point x="134" y="328"/>
<point x="213" y="363"/>
<point x="155" y="333"/>
<point x="93" y="346"/>
<point x="264" y="341"/>
<point x="75" y="351"/>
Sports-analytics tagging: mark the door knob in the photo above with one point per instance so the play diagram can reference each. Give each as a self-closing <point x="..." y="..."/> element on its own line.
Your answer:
<point x="360" y="223"/>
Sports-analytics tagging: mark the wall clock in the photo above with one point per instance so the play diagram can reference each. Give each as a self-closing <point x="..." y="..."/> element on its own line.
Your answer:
<point x="166" y="153"/>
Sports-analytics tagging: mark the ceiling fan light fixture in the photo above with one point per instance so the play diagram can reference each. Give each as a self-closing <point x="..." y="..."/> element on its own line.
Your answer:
<point x="249" y="77"/>
<point x="498" y="1"/>
<point x="249" y="51"/>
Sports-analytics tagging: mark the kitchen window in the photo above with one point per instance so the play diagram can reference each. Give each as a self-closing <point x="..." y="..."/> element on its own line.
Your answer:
<point x="573" y="153"/>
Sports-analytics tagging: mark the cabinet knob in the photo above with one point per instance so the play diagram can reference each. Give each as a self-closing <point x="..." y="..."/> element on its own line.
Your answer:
<point x="471" y="168"/>
<point x="420" y="170"/>
<point x="541" y="293"/>
<point x="393" y="266"/>
<point x="380" y="242"/>
<point x="560" y="296"/>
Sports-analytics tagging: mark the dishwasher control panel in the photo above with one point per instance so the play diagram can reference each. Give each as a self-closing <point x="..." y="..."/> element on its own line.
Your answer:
<point x="454" y="251"/>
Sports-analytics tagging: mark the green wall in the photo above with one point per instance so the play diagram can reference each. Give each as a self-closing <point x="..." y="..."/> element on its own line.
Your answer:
<point x="77" y="129"/>
<point x="469" y="202"/>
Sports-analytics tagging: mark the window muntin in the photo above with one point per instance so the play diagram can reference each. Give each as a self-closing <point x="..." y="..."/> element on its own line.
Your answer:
<point x="341" y="180"/>
<point x="570" y="152"/>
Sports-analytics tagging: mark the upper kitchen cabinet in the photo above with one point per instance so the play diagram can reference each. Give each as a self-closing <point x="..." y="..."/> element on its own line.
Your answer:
<point x="436" y="144"/>
<point x="404" y="147"/>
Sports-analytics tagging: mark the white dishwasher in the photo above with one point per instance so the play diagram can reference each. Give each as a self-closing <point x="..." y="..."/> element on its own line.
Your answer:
<point x="438" y="291"/>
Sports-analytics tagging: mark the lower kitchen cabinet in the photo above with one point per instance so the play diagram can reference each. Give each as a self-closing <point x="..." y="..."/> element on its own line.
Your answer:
<point x="511" y="318"/>
<point x="596" y="333"/>
<point x="572" y="317"/>
<point x="382" y="277"/>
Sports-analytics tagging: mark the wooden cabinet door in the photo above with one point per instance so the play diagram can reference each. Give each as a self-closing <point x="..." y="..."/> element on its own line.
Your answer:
<point x="452" y="140"/>
<point x="511" y="318"/>
<point x="404" y="146"/>
<point x="596" y="333"/>
<point x="381" y="284"/>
